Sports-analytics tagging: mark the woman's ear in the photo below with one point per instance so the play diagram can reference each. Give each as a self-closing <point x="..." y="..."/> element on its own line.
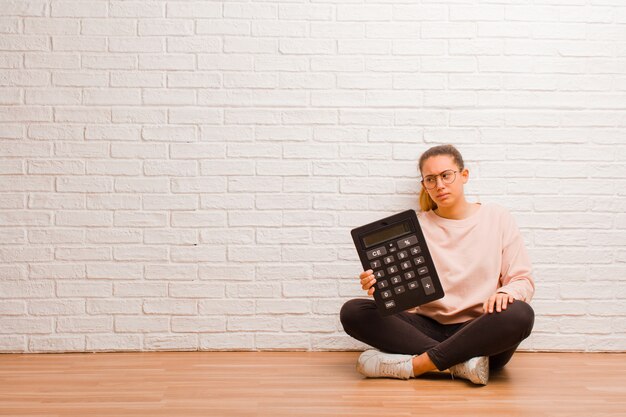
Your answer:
<point x="465" y="175"/>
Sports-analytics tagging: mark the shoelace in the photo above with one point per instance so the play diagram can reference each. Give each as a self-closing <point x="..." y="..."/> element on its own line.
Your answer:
<point x="389" y="368"/>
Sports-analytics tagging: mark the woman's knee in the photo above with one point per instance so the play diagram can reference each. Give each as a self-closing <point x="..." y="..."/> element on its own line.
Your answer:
<point x="352" y="311"/>
<point x="522" y="315"/>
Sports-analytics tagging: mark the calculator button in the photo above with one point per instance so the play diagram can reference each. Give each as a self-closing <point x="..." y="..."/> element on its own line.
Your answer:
<point x="423" y="270"/>
<point x="403" y="243"/>
<point x="403" y="255"/>
<point x="396" y="279"/>
<point x="399" y="290"/>
<point x="379" y="274"/>
<point x="405" y="265"/>
<point x="415" y="250"/>
<point x="382" y="284"/>
<point x="388" y="259"/>
<point x="427" y="284"/>
<point x="385" y="294"/>
<point x="419" y="261"/>
<point x="412" y="285"/>
<point x="390" y="304"/>
<point x="392" y="269"/>
<point x="376" y="253"/>
<point x="409" y="275"/>
<point x="375" y="264"/>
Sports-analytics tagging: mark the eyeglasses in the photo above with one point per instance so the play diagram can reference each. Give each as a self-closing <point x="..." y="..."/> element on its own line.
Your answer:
<point x="430" y="181"/>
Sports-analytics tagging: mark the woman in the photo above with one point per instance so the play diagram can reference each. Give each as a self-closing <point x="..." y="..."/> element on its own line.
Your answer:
<point x="485" y="271"/>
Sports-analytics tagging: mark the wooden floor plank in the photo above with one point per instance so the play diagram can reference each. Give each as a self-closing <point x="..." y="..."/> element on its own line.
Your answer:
<point x="300" y="384"/>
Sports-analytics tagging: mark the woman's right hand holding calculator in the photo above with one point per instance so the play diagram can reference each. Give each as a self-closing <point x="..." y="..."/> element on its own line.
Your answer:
<point x="367" y="281"/>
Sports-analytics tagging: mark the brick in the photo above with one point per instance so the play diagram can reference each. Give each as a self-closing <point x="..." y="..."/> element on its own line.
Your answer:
<point x="171" y="168"/>
<point x="140" y="289"/>
<point x="133" y="324"/>
<point x="226" y="307"/>
<point x="114" y="342"/>
<point x="117" y="201"/>
<point x="137" y="79"/>
<point x="78" y="43"/>
<point x="57" y="344"/>
<point x="282" y="307"/>
<point x="84" y="324"/>
<point x="136" y="44"/>
<point x="139" y="219"/>
<point x="108" y="27"/>
<point x="137" y="8"/>
<point x="257" y="324"/>
<point x="12" y="236"/>
<point x="24" y="218"/>
<point x="165" y="27"/>
<point x="171" y="307"/>
<point x="201" y="184"/>
<point x="171" y="272"/>
<point x="222" y="26"/>
<point x="166" y="62"/>
<point x="105" y="235"/>
<point x="25" y="289"/>
<point x="83" y="218"/>
<point x="55" y="60"/>
<point x="56" y="236"/>
<point x="171" y="236"/>
<point x="79" y="8"/>
<point x="196" y="290"/>
<point x="91" y="115"/>
<point x="84" y="289"/>
<point x="24" y="8"/>
<point x="202" y="253"/>
<point x="140" y="253"/>
<point x="114" y="270"/>
<point x="24" y="325"/>
<point x="170" y="342"/>
<point x="194" y="80"/>
<point x="24" y="43"/>
<point x="48" y="97"/>
<point x="169" y="202"/>
<point x="194" y="116"/>
<point x="109" y="61"/>
<point x="197" y="44"/>
<point x="114" y="306"/>
<point x="83" y="254"/>
<point x="198" y="324"/>
<point x="25" y="114"/>
<point x="141" y="185"/>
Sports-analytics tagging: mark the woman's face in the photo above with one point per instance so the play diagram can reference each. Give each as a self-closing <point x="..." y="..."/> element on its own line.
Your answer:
<point x="445" y="195"/>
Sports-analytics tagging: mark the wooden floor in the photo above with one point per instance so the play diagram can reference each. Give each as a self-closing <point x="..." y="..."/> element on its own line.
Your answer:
<point x="298" y="384"/>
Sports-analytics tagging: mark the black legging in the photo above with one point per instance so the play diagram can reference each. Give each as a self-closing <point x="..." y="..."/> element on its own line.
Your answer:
<point x="496" y="335"/>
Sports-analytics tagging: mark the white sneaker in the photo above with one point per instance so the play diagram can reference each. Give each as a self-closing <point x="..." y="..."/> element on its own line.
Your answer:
<point x="475" y="369"/>
<point x="375" y="364"/>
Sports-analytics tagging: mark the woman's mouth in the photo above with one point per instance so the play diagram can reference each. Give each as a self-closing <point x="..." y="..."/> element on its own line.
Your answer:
<point x="442" y="196"/>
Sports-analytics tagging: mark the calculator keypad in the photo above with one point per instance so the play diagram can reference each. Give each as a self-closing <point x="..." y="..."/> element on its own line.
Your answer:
<point x="398" y="268"/>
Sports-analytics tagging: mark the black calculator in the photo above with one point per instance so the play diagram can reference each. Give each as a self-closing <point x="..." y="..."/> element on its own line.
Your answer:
<point x="395" y="249"/>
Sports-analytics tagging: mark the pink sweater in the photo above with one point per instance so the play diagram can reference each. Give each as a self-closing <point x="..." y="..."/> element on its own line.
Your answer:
<point x="475" y="257"/>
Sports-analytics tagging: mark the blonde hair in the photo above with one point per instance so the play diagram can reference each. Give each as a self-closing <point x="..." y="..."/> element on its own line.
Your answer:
<point x="427" y="203"/>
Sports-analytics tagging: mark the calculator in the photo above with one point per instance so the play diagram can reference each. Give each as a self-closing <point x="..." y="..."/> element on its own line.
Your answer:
<point x="395" y="249"/>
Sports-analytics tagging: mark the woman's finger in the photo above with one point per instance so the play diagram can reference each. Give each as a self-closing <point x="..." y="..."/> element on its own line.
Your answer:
<point x="492" y="300"/>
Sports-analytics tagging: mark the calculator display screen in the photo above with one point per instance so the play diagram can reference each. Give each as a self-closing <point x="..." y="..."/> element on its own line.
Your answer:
<point x="392" y="232"/>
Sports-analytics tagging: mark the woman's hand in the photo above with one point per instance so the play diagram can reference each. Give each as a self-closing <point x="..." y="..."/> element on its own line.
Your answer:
<point x="367" y="280"/>
<point x="500" y="300"/>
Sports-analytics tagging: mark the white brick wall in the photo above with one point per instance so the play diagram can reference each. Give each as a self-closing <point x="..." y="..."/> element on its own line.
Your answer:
<point x="184" y="174"/>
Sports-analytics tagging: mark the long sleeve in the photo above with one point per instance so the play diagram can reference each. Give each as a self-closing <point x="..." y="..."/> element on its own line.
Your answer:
<point x="516" y="271"/>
